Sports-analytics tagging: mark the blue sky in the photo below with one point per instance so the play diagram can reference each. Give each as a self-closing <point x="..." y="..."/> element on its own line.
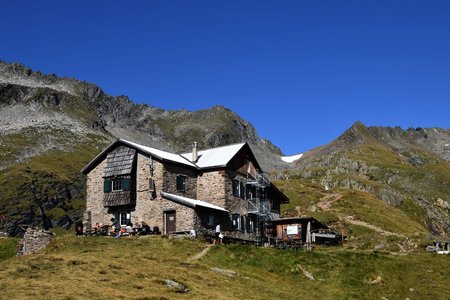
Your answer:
<point x="301" y="72"/>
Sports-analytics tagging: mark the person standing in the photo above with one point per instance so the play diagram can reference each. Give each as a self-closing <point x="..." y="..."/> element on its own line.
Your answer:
<point x="79" y="228"/>
<point x="218" y="235"/>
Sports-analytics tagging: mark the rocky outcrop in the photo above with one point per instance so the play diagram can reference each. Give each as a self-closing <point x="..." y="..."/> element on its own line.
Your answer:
<point x="435" y="140"/>
<point x="34" y="240"/>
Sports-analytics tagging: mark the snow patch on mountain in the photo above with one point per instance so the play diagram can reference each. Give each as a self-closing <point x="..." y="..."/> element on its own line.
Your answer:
<point x="290" y="159"/>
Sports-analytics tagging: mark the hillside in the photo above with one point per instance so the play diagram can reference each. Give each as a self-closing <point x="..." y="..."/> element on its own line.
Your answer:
<point x="130" y="268"/>
<point x="382" y="186"/>
<point x="387" y="187"/>
<point x="51" y="127"/>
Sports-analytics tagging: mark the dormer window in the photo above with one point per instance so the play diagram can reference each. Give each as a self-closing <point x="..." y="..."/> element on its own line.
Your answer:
<point x="116" y="185"/>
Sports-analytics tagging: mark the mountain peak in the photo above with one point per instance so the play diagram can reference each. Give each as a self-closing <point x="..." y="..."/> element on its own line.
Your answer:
<point x="357" y="134"/>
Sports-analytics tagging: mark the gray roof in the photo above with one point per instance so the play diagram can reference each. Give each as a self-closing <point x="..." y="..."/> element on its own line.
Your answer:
<point x="159" y="153"/>
<point x="210" y="158"/>
<point x="215" y="157"/>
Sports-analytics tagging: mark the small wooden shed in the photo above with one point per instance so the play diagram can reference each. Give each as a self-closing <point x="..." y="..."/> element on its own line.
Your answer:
<point x="296" y="230"/>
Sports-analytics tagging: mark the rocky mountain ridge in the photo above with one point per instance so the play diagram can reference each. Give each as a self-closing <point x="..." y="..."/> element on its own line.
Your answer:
<point x="51" y="127"/>
<point x="35" y="100"/>
<point x="407" y="169"/>
<point x="434" y="140"/>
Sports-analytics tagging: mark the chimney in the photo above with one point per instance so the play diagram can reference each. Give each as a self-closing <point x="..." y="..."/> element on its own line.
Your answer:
<point x="194" y="152"/>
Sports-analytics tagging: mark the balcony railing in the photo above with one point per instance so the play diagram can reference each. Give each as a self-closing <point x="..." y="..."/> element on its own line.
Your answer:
<point x="256" y="205"/>
<point x="260" y="179"/>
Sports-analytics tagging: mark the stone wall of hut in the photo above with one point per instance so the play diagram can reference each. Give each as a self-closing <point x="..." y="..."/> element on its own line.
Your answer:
<point x="95" y="210"/>
<point x="150" y="206"/>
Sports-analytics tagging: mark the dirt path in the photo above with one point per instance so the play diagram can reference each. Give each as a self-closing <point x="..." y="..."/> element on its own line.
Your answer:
<point x="352" y="220"/>
<point x="326" y="201"/>
<point x="199" y="255"/>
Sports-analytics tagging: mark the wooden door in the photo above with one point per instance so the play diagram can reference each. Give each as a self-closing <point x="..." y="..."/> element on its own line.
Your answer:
<point x="171" y="221"/>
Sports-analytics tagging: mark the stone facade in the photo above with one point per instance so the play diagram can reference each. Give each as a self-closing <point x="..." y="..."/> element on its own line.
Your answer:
<point x="150" y="207"/>
<point x="34" y="240"/>
<point x="211" y="187"/>
<point x="171" y="171"/>
<point x="234" y="204"/>
<point x="153" y="175"/>
<point x="95" y="195"/>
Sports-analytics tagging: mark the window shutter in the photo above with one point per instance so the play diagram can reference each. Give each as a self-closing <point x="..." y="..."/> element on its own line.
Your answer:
<point x="181" y="183"/>
<point x="242" y="224"/>
<point x="126" y="184"/>
<point x="107" y="186"/>
<point x="151" y="184"/>
<point x="117" y="219"/>
<point x="178" y="183"/>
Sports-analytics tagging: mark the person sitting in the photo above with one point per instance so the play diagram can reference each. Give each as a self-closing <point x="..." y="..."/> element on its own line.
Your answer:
<point x="113" y="227"/>
<point x="96" y="229"/>
<point x="156" y="230"/>
<point x="145" y="228"/>
<point x="137" y="228"/>
<point x="129" y="228"/>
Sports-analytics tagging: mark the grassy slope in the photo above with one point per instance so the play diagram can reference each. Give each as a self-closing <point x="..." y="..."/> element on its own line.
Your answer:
<point x="383" y="170"/>
<point x="106" y="268"/>
<point x="360" y="206"/>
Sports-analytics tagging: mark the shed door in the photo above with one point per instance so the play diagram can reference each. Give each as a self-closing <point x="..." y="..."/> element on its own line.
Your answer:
<point x="171" y="220"/>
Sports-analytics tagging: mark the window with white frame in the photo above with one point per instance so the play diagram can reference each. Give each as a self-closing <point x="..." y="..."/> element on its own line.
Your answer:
<point x="236" y="222"/>
<point x="124" y="218"/>
<point x="250" y="225"/>
<point x="236" y="188"/>
<point x="241" y="190"/>
<point x="116" y="185"/>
